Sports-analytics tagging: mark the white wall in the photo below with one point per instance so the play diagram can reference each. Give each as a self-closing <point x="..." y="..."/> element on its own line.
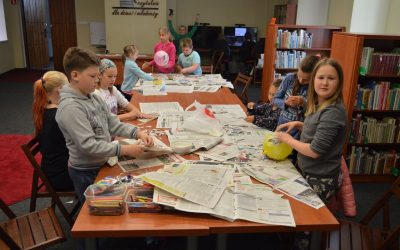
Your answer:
<point x="312" y="12"/>
<point x="142" y="31"/>
<point x="369" y="16"/>
<point x="340" y="13"/>
<point x="12" y="50"/>
<point x="393" y="19"/>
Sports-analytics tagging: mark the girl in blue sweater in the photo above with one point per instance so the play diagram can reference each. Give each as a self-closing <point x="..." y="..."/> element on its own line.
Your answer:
<point x="132" y="72"/>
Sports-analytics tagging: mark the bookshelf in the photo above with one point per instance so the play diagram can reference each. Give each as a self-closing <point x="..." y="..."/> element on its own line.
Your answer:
<point x="360" y="88"/>
<point x="320" y="43"/>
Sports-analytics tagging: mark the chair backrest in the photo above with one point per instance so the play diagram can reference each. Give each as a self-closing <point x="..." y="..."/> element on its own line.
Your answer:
<point x="217" y="60"/>
<point x="207" y="69"/>
<point x="244" y="81"/>
<point x="31" y="149"/>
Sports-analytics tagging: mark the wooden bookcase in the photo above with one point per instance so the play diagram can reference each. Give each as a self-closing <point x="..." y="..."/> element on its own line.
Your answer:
<point x="321" y="43"/>
<point x="347" y="48"/>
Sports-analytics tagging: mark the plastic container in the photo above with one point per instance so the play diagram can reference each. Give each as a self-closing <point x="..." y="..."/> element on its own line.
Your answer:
<point x="106" y="199"/>
<point x="141" y="200"/>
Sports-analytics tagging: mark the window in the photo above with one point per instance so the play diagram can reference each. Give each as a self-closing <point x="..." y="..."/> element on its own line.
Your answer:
<point x="3" y="31"/>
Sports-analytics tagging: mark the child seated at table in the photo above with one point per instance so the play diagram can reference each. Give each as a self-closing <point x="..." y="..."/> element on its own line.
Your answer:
<point x="87" y="123"/>
<point x="46" y="95"/>
<point x="189" y="60"/>
<point x="265" y="115"/>
<point x="132" y="72"/>
<point x="111" y="95"/>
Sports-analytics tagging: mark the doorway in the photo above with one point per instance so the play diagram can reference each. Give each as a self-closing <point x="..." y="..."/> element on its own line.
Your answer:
<point x="49" y="30"/>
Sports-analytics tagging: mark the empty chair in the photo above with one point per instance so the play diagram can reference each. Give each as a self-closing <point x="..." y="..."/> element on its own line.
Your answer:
<point x="35" y="230"/>
<point x="243" y="81"/>
<point x="354" y="235"/>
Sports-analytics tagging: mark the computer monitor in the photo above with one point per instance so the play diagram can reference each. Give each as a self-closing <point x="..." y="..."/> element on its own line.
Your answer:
<point x="235" y="35"/>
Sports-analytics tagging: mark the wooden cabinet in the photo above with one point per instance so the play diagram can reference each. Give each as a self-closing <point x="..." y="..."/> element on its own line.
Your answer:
<point x="347" y="49"/>
<point x="117" y="59"/>
<point x="321" y="44"/>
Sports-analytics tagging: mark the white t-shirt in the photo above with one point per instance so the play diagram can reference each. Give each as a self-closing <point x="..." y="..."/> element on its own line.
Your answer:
<point x="113" y="99"/>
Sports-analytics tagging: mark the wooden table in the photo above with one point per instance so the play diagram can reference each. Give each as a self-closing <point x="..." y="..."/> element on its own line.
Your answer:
<point x="188" y="224"/>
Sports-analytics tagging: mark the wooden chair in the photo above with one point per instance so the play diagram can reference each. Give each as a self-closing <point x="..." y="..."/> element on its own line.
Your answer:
<point x="244" y="81"/>
<point x="216" y="60"/>
<point x="35" y="230"/>
<point x="207" y="69"/>
<point x="353" y="235"/>
<point x="31" y="149"/>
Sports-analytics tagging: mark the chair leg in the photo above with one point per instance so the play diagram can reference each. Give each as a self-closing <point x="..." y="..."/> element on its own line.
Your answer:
<point x="32" y="206"/>
<point x="64" y="211"/>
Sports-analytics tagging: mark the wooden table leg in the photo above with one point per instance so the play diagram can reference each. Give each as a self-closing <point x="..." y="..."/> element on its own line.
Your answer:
<point x="192" y="243"/>
<point x="221" y="241"/>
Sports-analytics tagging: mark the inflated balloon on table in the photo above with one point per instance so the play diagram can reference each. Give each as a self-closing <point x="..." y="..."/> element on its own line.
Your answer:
<point x="275" y="149"/>
<point x="161" y="58"/>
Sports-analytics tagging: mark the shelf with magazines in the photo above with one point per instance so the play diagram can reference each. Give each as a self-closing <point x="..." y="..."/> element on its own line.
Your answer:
<point x="287" y="44"/>
<point x="371" y="94"/>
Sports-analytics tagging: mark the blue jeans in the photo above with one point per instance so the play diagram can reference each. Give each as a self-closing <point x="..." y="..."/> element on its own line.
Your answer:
<point x="81" y="180"/>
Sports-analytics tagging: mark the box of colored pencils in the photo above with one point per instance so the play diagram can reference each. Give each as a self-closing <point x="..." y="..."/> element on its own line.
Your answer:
<point x="106" y="199"/>
<point x="141" y="200"/>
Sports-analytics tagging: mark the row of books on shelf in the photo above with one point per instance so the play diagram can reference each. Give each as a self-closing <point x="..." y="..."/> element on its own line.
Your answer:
<point x="380" y="63"/>
<point x="294" y="39"/>
<point x="378" y="96"/>
<point x="366" y="130"/>
<point x="288" y="59"/>
<point x="368" y="161"/>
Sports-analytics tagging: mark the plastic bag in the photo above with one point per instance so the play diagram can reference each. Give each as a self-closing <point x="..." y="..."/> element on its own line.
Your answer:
<point x="202" y="121"/>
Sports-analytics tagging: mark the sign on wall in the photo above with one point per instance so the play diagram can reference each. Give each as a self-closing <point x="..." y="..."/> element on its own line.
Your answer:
<point x="137" y="8"/>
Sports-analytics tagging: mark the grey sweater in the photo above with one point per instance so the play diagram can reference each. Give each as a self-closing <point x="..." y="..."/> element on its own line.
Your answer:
<point x="87" y="125"/>
<point x="325" y="130"/>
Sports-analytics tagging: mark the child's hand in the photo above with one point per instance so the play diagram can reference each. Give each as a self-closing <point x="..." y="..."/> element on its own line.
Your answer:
<point x="132" y="115"/>
<point x="183" y="71"/>
<point x="132" y="150"/>
<point x="250" y="105"/>
<point x="145" y="116"/>
<point x="292" y="101"/>
<point x="147" y="140"/>
<point x="250" y="118"/>
<point x="283" y="137"/>
<point x="289" y="126"/>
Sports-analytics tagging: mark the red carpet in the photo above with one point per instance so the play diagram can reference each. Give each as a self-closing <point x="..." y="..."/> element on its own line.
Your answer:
<point x="16" y="171"/>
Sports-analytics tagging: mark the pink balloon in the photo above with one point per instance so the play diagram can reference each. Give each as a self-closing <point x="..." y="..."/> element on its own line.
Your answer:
<point x="161" y="58"/>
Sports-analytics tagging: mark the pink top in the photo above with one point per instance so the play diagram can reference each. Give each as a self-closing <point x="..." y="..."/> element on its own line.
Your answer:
<point x="168" y="47"/>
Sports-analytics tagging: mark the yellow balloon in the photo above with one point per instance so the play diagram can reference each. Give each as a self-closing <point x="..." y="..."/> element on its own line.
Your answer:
<point x="274" y="149"/>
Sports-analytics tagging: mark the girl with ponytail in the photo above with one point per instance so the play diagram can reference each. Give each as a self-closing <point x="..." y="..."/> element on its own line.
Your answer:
<point x="46" y="95"/>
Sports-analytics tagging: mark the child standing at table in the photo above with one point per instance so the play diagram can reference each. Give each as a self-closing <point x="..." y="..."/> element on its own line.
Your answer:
<point x="291" y="96"/>
<point x="132" y="72"/>
<point x="323" y="130"/>
<point x="182" y="31"/>
<point x="323" y="135"/>
<point x="265" y="115"/>
<point x="46" y="95"/>
<point x="189" y="60"/>
<point x="111" y="95"/>
<point x="166" y="45"/>
<point x="87" y="123"/>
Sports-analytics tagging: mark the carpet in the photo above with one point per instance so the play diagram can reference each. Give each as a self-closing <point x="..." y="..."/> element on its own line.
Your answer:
<point x="16" y="170"/>
<point x="21" y="75"/>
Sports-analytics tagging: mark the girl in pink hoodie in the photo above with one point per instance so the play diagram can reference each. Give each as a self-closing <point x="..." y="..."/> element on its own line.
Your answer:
<point x="166" y="45"/>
